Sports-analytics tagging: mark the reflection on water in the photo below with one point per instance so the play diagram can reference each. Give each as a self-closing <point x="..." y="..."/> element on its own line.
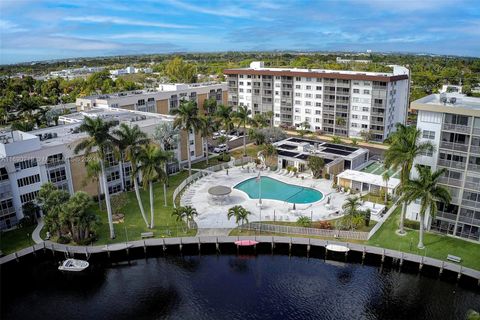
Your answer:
<point x="230" y="287"/>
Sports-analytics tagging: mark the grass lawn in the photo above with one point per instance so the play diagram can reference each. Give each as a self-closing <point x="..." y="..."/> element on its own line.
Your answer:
<point x="436" y="245"/>
<point x="252" y="151"/>
<point x="14" y="240"/>
<point x="133" y="225"/>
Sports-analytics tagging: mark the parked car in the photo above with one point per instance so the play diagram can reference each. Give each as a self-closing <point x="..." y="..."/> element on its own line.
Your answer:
<point x="220" y="148"/>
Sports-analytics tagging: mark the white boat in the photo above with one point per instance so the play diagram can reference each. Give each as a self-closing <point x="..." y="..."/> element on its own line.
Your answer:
<point x="337" y="248"/>
<point x="73" y="265"/>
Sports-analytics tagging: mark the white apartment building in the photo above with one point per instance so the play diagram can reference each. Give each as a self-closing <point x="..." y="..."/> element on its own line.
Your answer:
<point x="344" y="103"/>
<point x="30" y="159"/>
<point x="451" y="121"/>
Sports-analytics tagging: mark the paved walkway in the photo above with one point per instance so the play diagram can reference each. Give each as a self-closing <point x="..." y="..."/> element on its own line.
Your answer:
<point x="36" y="233"/>
<point x="204" y="232"/>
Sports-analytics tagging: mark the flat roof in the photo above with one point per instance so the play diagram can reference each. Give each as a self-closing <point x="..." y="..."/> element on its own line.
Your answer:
<point x="448" y="103"/>
<point x="369" y="178"/>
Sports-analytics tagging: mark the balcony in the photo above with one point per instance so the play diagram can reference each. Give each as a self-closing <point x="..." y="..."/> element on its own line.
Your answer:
<point x="469" y="220"/>
<point x="378" y="122"/>
<point x="451" y="164"/>
<point x="456" y="128"/>
<point x="378" y="114"/>
<point x="446" y="215"/>
<point x="476" y="131"/>
<point x="55" y="164"/>
<point x="472" y="185"/>
<point x="475" y="149"/>
<point x="454" y="146"/>
<point x="450" y="181"/>
<point x="471" y="204"/>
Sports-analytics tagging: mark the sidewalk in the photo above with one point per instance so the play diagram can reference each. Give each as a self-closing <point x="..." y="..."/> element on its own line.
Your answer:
<point x="36" y="233"/>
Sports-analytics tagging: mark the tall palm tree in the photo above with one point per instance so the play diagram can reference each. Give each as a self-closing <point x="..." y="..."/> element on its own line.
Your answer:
<point x="269" y="151"/>
<point x="151" y="159"/>
<point x="386" y="178"/>
<point x="426" y="189"/>
<point x="94" y="173"/>
<point x="128" y="141"/>
<point x="167" y="136"/>
<point x="190" y="214"/>
<point x="269" y="115"/>
<point x="243" y="117"/>
<point x="405" y="147"/>
<point x="187" y="119"/>
<point x="99" y="138"/>
<point x="239" y="213"/>
<point x="207" y="128"/>
<point x="224" y="116"/>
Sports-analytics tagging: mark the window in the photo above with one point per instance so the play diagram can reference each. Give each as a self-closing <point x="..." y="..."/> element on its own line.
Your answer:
<point x="3" y="174"/>
<point x="28" y="180"/>
<point x="308" y="119"/>
<point x="365" y="109"/>
<point x="55" y="159"/>
<point x="298" y="102"/>
<point x="356" y="90"/>
<point x="309" y="87"/>
<point x="249" y="83"/>
<point x="428" y="153"/>
<point x="318" y="112"/>
<point x="308" y="79"/>
<point x="366" y="91"/>
<point x="364" y="117"/>
<point x="6" y="207"/>
<point x="318" y="104"/>
<point x="57" y="175"/>
<point x="355" y="108"/>
<point x="115" y="175"/>
<point x="317" y="120"/>
<point x="27" y="197"/>
<point x="298" y="94"/>
<point x="241" y="82"/>
<point x="298" y="79"/>
<point x="364" y="126"/>
<point x="141" y="102"/>
<point x="318" y="96"/>
<point x="367" y="83"/>
<point x="354" y="125"/>
<point x="297" y="110"/>
<point x="308" y="95"/>
<point x="308" y="103"/>
<point x="357" y="83"/>
<point x="318" y="88"/>
<point x="308" y="111"/>
<point x="297" y="118"/>
<point x="241" y="76"/>
<point x="298" y="86"/>
<point x="26" y="164"/>
<point x="426" y="134"/>
<point x="354" y="116"/>
<point x="115" y="189"/>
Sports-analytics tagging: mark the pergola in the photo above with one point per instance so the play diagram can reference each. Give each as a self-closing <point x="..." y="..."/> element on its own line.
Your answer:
<point x="219" y="193"/>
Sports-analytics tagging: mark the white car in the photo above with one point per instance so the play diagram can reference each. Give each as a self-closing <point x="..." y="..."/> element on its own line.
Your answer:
<point x="220" y="148"/>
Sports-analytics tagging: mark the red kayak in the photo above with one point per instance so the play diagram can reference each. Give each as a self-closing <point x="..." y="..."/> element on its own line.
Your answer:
<point x="246" y="243"/>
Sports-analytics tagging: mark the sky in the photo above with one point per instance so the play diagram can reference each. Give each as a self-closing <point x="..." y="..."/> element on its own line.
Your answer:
<point x="52" y="29"/>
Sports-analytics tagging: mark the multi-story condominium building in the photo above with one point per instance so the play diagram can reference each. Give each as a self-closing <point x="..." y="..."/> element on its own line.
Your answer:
<point x="451" y="121"/>
<point x="344" y="103"/>
<point x="161" y="100"/>
<point x="30" y="159"/>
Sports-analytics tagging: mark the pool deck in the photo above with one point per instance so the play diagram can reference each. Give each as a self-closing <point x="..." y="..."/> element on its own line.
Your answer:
<point x="213" y="213"/>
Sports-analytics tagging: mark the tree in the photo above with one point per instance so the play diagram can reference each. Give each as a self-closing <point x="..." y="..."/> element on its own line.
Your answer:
<point x="386" y="178"/>
<point x="207" y="127"/>
<point x="303" y="128"/>
<point x="210" y="106"/>
<point x="316" y="164"/>
<point x="340" y="121"/>
<point x="94" y="173"/>
<point x="337" y="140"/>
<point x="99" y="137"/>
<point x="180" y="71"/>
<point x="269" y="151"/>
<point x="187" y="213"/>
<point x="367" y="214"/>
<point x="366" y="135"/>
<point x="239" y="213"/>
<point x="351" y="206"/>
<point x="260" y="120"/>
<point x="51" y="201"/>
<point x="269" y="115"/>
<point x="243" y="117"/>
<point x="78" y="217"/>
<point x="426" y="189"/>
<point x="405" y="147"/>
<point x="304" y="222"/>
<point x="151" y="159"/>
<point x="187" y="119"/>
<point x="128" y="141"/>
<point x="167" y="135"/>
<point x="224" y="117"/>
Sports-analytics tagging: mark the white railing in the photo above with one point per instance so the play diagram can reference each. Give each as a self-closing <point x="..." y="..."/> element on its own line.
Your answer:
<point x="382" y="221"/>
<point x="207" y="171"/>
<point x="273" y="228"/>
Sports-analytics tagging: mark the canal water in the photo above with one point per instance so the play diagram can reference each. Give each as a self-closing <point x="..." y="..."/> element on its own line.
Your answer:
<point x="229" y="287"/>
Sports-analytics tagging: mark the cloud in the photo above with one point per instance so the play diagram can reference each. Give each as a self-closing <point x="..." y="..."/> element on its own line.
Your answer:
<point x="10" y="27"/>
<point x="124" y="21"/>
<point x="220" y="10"/>
<point x="155" y="36"/>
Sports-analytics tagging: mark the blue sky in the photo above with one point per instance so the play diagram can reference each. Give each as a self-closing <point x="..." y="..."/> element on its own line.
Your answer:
<point x="48" y="29"/>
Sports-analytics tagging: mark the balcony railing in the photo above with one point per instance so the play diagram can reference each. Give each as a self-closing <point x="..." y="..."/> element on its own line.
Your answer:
<point x="469" y="220"/>
<point x="378" y="122"/>
<point x="55" y="164"/>
<point x="470" y="203"/>
<point x="454" y="146"/>
<point x="475" y="149"/>
<point x="446" y="215"/>
<point x="451" y="164"/>
<point x="450" y="181"/>
<point x="474" y="167"/>
<point x="472" y="185"/>
<point x="456" y="128"/>
<point x="380" y="114"/>
<point x="476" y="131"/>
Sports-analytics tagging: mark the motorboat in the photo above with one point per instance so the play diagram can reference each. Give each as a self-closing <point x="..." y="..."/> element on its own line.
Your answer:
<point x="337" y="248"/>
<point x="246" y="243"/>
<point x="73" y="265"/>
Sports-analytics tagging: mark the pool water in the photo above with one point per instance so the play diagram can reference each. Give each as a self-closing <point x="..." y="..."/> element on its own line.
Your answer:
<point x="277" y="190"/>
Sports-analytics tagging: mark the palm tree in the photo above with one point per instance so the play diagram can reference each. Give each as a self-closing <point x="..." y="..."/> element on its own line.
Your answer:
<point x="239" y="213"/>
<point x="243" y="117"/>
<point x="187" y="119"/>
<point x="340" y="121"/>
<point x="207" y="128"/>
<point x="269" y="115"/>
<point x="269" y="151"/>
<point x="386" y="177"/>
<point x="405" y="147"/>
<point x="99" y="138"/>
<point x="190" y="214"/>
<point x="151" y="159"/>
<point x="128" y="141"/>
<point x="224" y="116"/>
<point x="94" y="172"/>
<point x="351" y="206"/>
<point x="167" y="135"/>
<point x="426" y="189"/>
<point x="260" y="120"/>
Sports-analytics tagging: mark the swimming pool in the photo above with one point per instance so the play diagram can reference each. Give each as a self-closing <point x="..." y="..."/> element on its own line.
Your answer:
<point x="277" y="190"/>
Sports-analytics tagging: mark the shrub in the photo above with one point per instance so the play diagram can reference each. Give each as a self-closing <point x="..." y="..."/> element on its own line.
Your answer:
<point x="304" y="222"/>
<point x="226" y="157"/>
<point x="63" y="240"/>
<point x="327" y="176"/>
<point x="411" y="224"/>
<point x="323" y="225"/>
